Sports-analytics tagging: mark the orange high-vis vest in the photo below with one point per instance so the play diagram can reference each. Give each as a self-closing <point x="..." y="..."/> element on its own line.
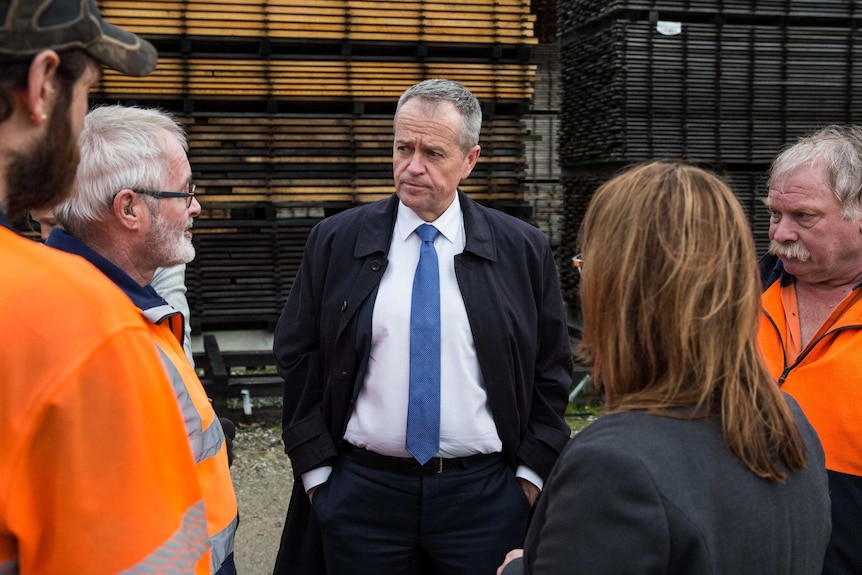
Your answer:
<point x="205" y="433"/>
<point x="96" y="473"/>
<point x="825" y="379"/>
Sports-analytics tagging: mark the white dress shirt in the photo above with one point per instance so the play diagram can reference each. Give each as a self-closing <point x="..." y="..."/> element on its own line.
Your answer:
<point x="379" y="420"/>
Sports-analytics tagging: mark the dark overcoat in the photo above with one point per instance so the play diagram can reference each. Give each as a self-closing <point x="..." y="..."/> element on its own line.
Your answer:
<point x="511" y="292"/>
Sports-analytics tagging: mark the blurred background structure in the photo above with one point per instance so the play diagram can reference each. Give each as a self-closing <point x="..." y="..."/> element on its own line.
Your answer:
<point x="289" y="108"/>
<point x="726" y="84"/>
<point x="289" y="105"/>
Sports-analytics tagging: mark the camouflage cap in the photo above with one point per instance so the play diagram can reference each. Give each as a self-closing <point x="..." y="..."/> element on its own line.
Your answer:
<point x="29" y="26"/>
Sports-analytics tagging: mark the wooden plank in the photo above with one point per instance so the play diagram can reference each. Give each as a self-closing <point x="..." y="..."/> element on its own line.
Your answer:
<point x="230" y="78"/>
<point x="498" y="21"/>
<point x="255" y="6"/>
<point x="277" y="16"/>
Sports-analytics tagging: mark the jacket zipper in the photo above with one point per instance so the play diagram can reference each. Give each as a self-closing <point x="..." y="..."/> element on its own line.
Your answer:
<point x="808" y="349"/>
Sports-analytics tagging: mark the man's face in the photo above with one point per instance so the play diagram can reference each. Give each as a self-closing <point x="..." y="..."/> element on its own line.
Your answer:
<point x="808" y="232"/>
<point x="43" y="175"/>
<point x="427" y="161"/>
<point x="169" y="236"/>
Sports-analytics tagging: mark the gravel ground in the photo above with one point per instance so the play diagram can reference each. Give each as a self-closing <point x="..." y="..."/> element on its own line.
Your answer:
<point x="262" y="479"/>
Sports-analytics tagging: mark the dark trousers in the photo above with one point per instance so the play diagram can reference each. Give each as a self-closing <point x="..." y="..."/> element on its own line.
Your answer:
<point x="228" y="567"/>
<point x="377" y="522"/>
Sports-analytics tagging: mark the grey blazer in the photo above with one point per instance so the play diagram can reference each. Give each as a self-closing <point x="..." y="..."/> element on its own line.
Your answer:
<point x="636" y="493"/>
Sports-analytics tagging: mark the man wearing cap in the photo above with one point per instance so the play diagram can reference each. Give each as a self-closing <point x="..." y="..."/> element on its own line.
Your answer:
<point x="96" y="472"/>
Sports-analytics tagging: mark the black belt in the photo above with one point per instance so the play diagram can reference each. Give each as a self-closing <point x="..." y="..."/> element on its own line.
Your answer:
<point x="408" y="465"/>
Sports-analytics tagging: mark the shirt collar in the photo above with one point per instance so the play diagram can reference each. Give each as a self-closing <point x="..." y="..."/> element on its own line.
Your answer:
<point x="785" y="278"/>
<point x="447" y="224"/>
<point x="144" y="297"/>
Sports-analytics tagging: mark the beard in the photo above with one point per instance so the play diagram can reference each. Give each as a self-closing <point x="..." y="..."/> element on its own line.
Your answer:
<point x="170" y="245"/>
<point x="795" y="250"/>
<point x="43" y="176"/>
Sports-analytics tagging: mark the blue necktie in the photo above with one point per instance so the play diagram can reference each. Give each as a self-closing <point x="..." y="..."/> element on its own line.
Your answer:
<point x="423" y="409"/>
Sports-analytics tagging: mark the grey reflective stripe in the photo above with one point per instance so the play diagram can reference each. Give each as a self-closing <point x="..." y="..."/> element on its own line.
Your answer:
<point x="9" y="567"/>
<point x="205" y="442"/>
<point x="159" y="313"/>
<point x="182" y="551"/>
<point x="222" y="544"/>
<point x="211" y="440"/>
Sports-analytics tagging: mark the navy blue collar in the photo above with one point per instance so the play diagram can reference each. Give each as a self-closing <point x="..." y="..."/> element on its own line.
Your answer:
<point x="144" y="297"/>
<point x="4" y="221"/>
<point x="785" y="278"/>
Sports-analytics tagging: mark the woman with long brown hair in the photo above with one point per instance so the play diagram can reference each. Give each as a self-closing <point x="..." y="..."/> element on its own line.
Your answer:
<point x="699" y="464"/>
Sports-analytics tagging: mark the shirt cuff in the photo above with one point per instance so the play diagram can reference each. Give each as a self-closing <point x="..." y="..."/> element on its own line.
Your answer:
<point x="315" y="477"/>
<point x="523" y="472"/>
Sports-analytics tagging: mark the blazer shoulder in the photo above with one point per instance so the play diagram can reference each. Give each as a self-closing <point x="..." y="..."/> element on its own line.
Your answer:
<point x="500" y="220"/>
<point x="351" y="220"/>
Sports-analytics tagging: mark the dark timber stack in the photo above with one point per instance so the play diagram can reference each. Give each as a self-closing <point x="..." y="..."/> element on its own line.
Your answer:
<point x="734" y="83"/>
<point x="289" y="105"/>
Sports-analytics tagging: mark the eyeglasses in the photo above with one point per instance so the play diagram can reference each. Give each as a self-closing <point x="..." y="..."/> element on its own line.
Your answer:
<point x="578" y="264"/>
<point x="189" y="194"/>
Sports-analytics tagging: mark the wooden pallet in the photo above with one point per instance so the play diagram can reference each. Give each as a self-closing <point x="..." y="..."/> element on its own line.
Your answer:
<point x="498" y="21"/>
<point x="304" y="158"/>
<point x="235" y="78"/>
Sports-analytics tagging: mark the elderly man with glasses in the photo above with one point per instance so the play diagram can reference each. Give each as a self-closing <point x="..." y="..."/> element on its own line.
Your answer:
<point x="131" y="214"/>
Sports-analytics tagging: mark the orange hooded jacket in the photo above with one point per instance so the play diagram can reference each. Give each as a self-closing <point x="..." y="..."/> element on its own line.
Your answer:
<point x="96" y="473"/>
<point x="826" y="377"/>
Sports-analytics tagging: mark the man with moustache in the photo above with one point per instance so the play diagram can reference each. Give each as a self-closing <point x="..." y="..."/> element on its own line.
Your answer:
<point x="131" y="213"/>
<point x="421" y="443"/>
<point x="96" y="475"/>
<point x="811" y="333"/>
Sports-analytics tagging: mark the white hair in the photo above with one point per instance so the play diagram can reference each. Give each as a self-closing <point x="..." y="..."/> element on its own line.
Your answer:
<point x="121" y="147"/>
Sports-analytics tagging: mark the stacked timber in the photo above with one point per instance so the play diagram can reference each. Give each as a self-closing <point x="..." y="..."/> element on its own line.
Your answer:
<point x="305" y="158"/>
<point x="508" y="21"/>
<point x="289" y="106"/>
<point x="725" y="85"/>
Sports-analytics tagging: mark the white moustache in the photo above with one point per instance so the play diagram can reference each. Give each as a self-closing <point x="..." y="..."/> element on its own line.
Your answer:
<point x="795" y="250"/>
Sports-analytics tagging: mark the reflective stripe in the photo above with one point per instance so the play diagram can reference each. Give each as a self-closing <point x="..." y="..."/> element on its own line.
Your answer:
<point x="181" y="552"/>
<point x="9" y="567"/>
<point x="205" y="442"/>
<point x="157" y="314"/>
<point x="175" y="319"/>
<point x="222" y="544"/>
<point x="211" y="440"/>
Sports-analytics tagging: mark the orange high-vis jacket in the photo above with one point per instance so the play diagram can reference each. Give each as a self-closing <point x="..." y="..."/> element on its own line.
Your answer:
<point x="203" y="428"/>
<point x="96" y="473"/>
<point x="209" y="446"/>
<point x="826" y="378"/>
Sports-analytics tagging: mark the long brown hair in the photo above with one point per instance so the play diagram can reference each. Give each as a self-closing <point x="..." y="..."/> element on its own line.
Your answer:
<point x="671" y="301"/>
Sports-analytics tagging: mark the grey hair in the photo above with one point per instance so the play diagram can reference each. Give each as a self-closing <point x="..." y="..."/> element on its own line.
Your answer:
<point x="435" y="91"/>
<point x="840" y="150"/>
<point x="121" y="147"/>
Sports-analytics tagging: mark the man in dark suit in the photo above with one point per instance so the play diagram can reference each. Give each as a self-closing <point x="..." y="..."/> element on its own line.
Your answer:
<point x="417" y="445"/>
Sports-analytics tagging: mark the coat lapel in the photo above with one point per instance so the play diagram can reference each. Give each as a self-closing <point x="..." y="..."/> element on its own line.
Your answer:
<point x="370" y="252"/>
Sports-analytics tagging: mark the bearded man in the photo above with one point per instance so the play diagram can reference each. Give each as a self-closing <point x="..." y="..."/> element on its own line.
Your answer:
<point x="96" y="475"/>
<point x="811" y="332"/>
<point x="132" y="213"/>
